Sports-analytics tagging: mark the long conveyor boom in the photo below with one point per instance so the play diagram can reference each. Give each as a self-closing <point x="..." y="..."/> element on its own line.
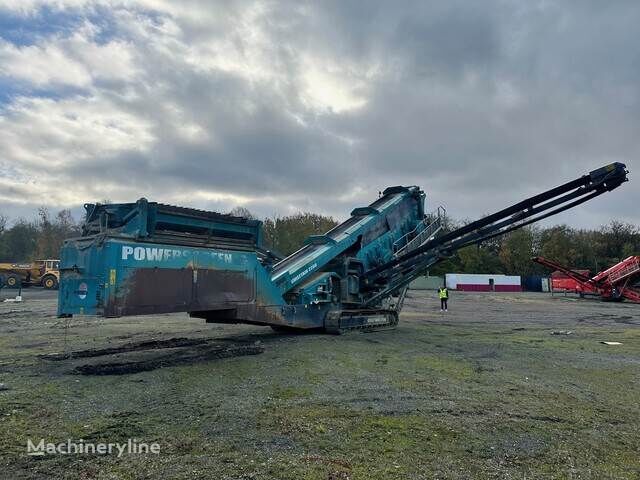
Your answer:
<point x="400" y="271"/>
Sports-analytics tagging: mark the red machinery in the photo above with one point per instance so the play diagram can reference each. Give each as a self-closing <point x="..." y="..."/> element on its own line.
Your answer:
<point x="561" y="282"/>
<point x="615" y="283"/>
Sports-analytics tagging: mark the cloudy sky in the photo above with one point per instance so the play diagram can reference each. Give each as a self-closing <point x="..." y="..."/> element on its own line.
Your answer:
<point x="288" y="106"/>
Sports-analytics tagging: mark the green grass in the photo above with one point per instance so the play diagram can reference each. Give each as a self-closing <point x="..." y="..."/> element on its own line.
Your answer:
<point x="433" y="399"/>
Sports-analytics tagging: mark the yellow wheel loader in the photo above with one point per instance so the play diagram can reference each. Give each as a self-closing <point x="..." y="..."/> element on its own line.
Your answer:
<point x="44" y="273"/>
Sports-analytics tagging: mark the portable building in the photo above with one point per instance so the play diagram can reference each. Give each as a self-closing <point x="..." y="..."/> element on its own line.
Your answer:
<point x="472" y="282"/>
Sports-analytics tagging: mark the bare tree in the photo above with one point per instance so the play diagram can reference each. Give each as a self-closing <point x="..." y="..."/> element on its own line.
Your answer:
<point x="242" y="212"/>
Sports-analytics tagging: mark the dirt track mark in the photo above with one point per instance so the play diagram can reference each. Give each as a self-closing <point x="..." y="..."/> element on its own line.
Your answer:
<point x="127" y="347"/>
<point x="9" y="313"/>
<point x="182" y="357"/>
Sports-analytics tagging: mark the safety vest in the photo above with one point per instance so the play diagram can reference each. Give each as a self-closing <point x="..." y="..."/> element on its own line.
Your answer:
<point x="443" y="292"/>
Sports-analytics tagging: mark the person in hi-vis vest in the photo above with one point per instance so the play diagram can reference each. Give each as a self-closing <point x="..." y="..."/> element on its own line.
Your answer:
<point x="443" y="293"/>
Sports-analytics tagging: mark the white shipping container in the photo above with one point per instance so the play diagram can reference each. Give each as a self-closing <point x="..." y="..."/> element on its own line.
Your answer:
<point x="457" y="281"/>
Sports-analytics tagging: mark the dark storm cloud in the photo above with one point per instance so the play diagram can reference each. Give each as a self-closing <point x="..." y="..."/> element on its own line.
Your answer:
<point x="551" y="100"/>
<point x="480" y="103"/>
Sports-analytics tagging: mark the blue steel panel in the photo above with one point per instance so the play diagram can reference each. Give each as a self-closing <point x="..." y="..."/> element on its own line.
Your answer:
<point x="95" y="274"/>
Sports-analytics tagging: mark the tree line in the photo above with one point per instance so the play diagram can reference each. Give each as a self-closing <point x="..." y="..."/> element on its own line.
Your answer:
<point x="592" y="249"/>
<point x="511" y="254"/>
<point x="36" y="239"/>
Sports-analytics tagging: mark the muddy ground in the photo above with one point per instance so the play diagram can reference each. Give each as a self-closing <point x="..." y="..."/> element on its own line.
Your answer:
<point x="495" y="388"/>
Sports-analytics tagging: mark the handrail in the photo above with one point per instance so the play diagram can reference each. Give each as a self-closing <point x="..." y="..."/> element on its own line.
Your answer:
<point x="425" y="233"/>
